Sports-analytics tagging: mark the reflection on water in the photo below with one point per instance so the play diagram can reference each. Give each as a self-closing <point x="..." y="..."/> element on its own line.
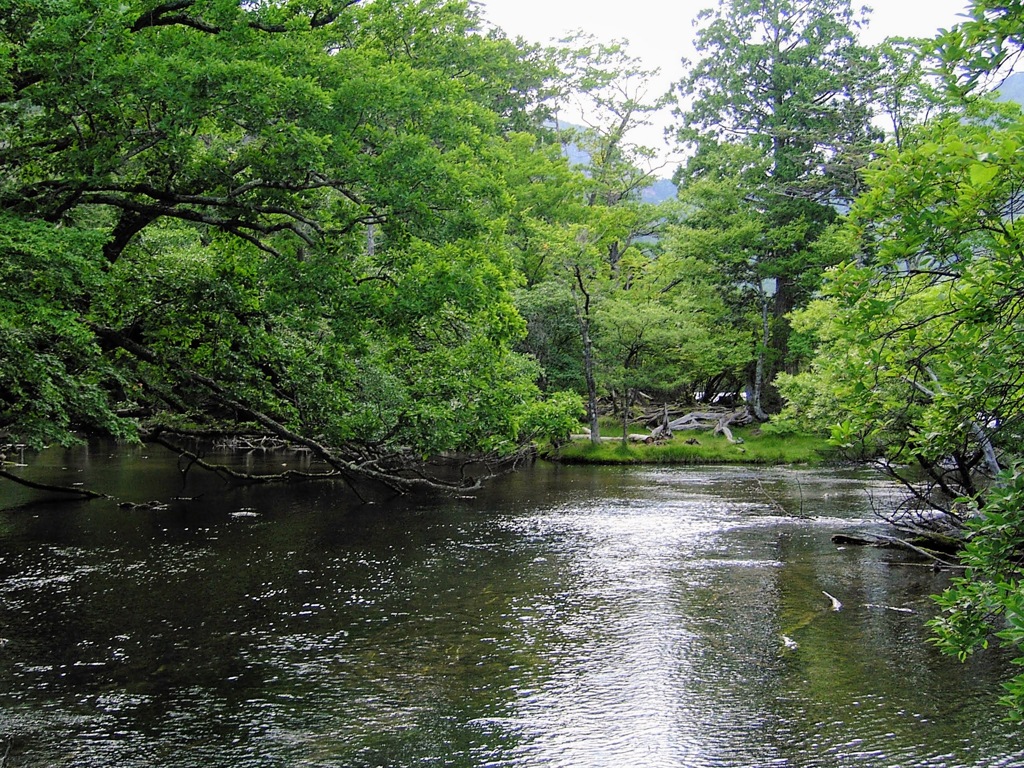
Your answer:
<point x="569" y="616"/>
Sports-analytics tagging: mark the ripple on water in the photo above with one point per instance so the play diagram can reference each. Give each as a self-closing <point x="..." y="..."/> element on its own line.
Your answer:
<point x="639" y="625"/>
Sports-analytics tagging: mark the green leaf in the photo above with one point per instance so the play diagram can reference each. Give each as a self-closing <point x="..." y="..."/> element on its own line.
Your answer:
<point x="983" y="173"/>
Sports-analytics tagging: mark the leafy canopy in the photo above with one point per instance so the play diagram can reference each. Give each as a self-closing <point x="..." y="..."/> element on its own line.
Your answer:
<point x="285" y="218"/>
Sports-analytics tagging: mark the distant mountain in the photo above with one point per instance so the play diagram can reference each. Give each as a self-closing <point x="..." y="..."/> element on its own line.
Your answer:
<point x="1012" y="88"/>
<point x="660" y="191"/>
<point x="575" y="155"/>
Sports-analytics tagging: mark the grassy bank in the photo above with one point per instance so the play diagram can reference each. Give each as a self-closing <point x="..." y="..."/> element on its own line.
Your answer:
<point x="702" y="448"/>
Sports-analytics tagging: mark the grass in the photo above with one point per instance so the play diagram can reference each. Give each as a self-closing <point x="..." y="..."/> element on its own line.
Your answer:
<point x="756" y="448"/>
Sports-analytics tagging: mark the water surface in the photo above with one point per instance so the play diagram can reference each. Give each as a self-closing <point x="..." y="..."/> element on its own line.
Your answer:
<point x="567" y="616"/>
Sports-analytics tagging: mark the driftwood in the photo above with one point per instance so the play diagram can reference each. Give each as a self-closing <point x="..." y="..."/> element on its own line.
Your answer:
<point x="585" y="434"/>
<point x="719" y="422"/>
<point x="716" y="421"/>
<point x="836" y="605"/>
<point x="939" y="559"/>
<point x="889" y="608"/>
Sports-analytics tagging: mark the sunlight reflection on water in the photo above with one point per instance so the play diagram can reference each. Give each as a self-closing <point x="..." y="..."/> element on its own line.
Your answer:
<point x="568" y="617"/>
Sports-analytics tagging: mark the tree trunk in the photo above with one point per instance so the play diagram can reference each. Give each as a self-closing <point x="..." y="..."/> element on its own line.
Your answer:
<point x="588" y="374"/>
<point x="759" y="368"/>
<point x="583" y="317"/>
<point x="628" y="398"/>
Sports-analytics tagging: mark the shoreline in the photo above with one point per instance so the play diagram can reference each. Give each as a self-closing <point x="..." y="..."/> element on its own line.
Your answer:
<point x="752" y="447"/>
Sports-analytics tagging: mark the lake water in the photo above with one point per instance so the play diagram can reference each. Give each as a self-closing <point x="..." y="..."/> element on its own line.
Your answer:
<point x="567" y="616"/>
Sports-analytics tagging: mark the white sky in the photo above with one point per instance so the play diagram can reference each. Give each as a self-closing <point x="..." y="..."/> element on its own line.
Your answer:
<point x="659" y="31"/>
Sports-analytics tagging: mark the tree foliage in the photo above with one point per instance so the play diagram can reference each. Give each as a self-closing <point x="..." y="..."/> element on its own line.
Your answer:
<point x="922" y="351"/>
<point x="790" y="78"/>
<point x="778" y="108"/>
<point x="988" y="600"/>
<point x="668" y="332"/>
<point x="905" y="89"/>
<point x="983" y="48"/>
<point x="580" y="248"/>
<point x="284" y="218"/>
<point x="923" y="345"/>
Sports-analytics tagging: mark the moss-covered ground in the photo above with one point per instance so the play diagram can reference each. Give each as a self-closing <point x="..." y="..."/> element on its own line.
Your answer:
<point x="757" y="447"/>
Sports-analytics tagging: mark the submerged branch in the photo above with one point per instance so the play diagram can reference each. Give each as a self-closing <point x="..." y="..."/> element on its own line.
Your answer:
<point x="892" y="542"/>
<point x="83" y="493"/>
<point x="229" y="474"/>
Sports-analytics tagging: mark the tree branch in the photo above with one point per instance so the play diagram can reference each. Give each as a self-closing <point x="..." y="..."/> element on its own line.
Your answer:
<point x="166" y="15"/>
<point x="345" y="468"/>
<point x="81" y="492"/>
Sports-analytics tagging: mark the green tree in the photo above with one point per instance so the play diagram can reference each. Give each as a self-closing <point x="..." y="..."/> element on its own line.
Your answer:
<point x="787" y="81"/>
<point x="928" y="312"/>
<point x="580" y="244"/>
<point x="904" y="88"/>
<point x="283" y="219"/>
<point x="664" y="334"/>
<point x="745" y="245"/>
<point x="989" y="599"/>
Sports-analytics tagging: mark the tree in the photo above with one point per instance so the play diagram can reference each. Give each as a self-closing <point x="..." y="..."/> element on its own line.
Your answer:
<point x="602" y="221"/>
<point x="904" y="89"/>
<point x="609" y="89"/>
<point x="788" y="81"/>
<point x="724" y="228"/>
<point x="276" y="219"/>
<point x="988" y="598"/>
<point x="929" y="312"/>
<point x="988" y="601"/>
<point x="664" y="334"/>
<point x="921" y="336"/>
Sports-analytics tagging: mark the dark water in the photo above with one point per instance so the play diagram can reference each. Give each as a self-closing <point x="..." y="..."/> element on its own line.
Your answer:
<point x="566" y="617"/>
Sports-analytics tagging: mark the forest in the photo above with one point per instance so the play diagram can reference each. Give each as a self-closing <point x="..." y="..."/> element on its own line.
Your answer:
<point x="354" y="227"/>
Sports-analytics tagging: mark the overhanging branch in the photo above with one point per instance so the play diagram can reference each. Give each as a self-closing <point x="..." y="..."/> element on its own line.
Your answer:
<point x="346" y="469"/>
<point x="82" y="493"/>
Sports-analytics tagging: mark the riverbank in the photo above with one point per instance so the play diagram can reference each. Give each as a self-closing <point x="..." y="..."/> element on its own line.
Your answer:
<point x="701" y="448"/>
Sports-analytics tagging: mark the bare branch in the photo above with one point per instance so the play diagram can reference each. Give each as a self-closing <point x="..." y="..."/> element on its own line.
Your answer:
<point x="80" y="492"/>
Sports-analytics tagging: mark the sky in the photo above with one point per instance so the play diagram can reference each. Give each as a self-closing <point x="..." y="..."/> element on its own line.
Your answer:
<point x="659" y="31"/>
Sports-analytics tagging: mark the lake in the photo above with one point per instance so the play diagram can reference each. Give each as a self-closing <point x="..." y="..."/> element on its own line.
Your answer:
<point x="565" y="616"/>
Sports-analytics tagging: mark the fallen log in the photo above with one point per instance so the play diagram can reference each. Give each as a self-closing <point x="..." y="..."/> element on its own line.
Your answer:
<point x="722" y="427"/>
<point x="892" y="542"/>
<point x="858" y="540"/>
<point x="717" y="421"/>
